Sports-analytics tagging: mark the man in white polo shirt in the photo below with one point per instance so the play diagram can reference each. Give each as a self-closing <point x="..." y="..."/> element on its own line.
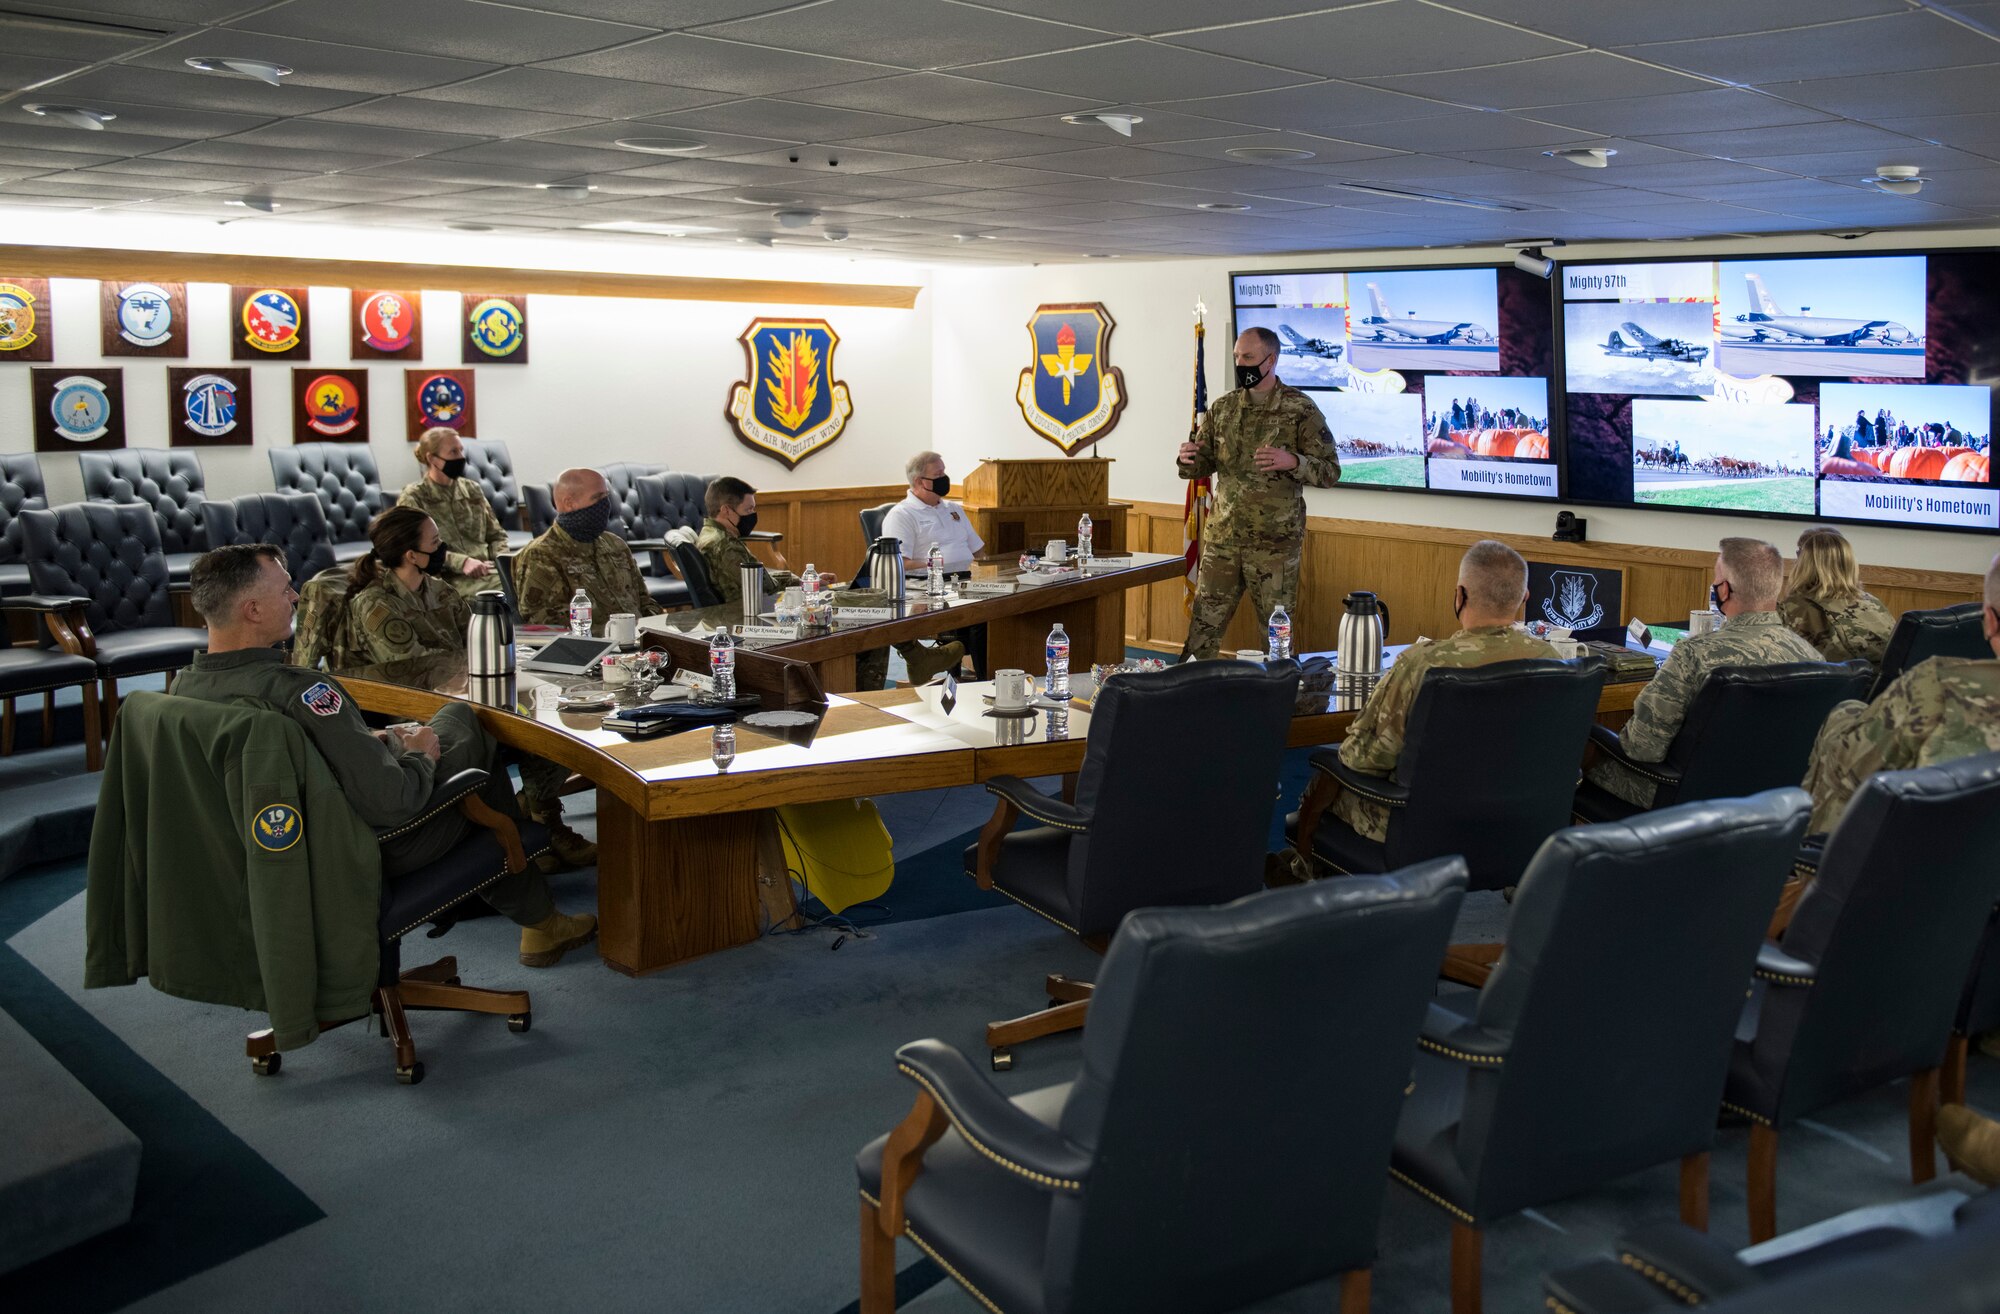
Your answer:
<point x="924" y="517"/>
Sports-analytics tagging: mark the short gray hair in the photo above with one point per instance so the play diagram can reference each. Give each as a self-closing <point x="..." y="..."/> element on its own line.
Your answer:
<point x="913" y="468"/>
<point x="1268" y="337"/>
<point x="1494" y="575"/>
<point x="1754" y="568"/>
<point x="221" y="576"/>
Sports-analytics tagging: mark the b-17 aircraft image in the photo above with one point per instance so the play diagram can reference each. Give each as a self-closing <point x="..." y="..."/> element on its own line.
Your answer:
<point x="1385" y="326"/>
<point x="1769" y="324"/>
<point x="1644" y="346"/>
<point x="1298" y="344"/>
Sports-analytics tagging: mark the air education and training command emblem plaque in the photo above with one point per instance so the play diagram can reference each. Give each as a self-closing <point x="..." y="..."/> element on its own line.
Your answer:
<point x="1070" y="394"/>
<point x="791" y="406"/>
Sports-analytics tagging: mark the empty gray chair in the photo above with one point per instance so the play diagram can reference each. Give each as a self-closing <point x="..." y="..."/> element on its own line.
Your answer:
<point x="168" y="481"/>
<point x="344" y="479"/>
<point x="1921" y="635"/>
<point x="489" y="464"/>
<point x="538" y="507"/>
<point x="20" y="490"/>
<point x="1225" y="1138"/>
<point x="292" y="521"/>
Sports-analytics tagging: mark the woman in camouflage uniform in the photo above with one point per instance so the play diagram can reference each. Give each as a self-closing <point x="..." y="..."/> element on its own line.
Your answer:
<point x="1824" y="604"/>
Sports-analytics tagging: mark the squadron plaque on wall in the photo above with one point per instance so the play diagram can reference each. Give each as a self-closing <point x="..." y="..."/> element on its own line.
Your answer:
<point x="496" y="329"/>
<point x="1070" y="394"/>
<point x="143" y="319"/>
<point x="268" y="323"/>
<point x="385" y="325"/>
<point x="434" y="399"/>
<point x="79" y="409"/>
<point x="208" y="408"/>
<point x="329" y="405"/>
<point x="26" y="324"/>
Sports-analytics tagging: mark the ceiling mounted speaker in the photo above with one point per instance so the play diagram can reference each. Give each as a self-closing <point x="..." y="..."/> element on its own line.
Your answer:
<point x="263" y="70"/>
<point x="1118" y="122"/>
<point x="1898" y="179"/>
<point x="76" y="116"/>
<point x="1586" y="157"/>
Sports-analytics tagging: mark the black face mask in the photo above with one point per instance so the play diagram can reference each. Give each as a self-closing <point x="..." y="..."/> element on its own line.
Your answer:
<point x="941" y="485"/>
<point x="1249" y="376"/>
<point x="455" y="468"/>
<point x="746" y="525"/>
<point x="586" y="523"/>
<point x="438" y="565"/>
<point x="1715" y="598"/>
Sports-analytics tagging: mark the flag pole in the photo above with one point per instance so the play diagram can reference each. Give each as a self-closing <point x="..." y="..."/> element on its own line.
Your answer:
<point x="1196" y="505"/>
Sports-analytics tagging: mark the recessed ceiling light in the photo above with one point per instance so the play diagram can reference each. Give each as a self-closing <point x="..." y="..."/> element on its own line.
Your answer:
<point x="1267" y="154"/>
<point x="757" y="239"/>
<point x="76" y="116"/>
<point x="1100" y="255"/>
<point x="650" y="228"/>
<point x="975" y="237"/>
<point x="463" y="226"/>
<point x="1432" y="198"/>
<point x="1587" y="157"/>
<point x="662" y="145"/>
<point x="567" y="191"/>
<point x="834" y="234"/>
<point x="771" y="198"/>
<point x="262" y="204"/>
<point x="261" y="69"/>
<point x="1118" y="123"/>
<point x="1229" y="206"/>
<point x="795" y="218"/>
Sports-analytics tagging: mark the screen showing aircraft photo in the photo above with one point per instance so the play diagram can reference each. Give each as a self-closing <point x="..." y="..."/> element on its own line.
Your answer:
<point x="1312" y="343"/>
<point x="1424" y="319"/>
<point x="1837" y="387"/>
<point x="1379" y="435"/>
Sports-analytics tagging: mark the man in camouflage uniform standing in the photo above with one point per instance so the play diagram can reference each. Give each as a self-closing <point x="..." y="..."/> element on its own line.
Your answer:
<point x="458" y="506"/>
<point x="575" y="553"/>
<point x="1265" y="443"/>
<point x="1748" y="575"/>
<point x="1491" y="595"/>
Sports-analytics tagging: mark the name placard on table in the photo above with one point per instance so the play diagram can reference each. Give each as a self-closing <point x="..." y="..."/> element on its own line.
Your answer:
<point x="985" y="588"/>
<point x="1108" y="563"/>
<point x="768" y="631"/>
<point x="864" y="613"/>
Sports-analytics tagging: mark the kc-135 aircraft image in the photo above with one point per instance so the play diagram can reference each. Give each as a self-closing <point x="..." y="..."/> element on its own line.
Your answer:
<point x="1387" y="327"/>
<point x="1298" y="344"/>
<point x="1769" y="324"/>
<point x="1644" y="346"/>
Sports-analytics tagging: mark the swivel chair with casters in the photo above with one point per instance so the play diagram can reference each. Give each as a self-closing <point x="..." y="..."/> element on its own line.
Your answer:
<point x="1749" y="728"/>
<point x="168" y="480"/>
<point x="1599" y="1044"/>
<point x="1137" y="836"/>
<point x="1921" y="635"/>
<point x="1873" y="966"/>
<point x="344" y="478"/>
<point x="1148" y="1182"/>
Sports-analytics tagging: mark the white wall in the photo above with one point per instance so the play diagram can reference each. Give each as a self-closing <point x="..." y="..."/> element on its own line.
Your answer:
<point x="981" y="346"/>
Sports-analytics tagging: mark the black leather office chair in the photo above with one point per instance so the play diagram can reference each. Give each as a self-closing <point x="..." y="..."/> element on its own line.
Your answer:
<point x="1855" y="1264"/>
<point x="295" y="522"/>
<point x="1148" y="1182"/>
<point x="27" y="669"/>
<point x="100" y="583"/>
<point x="664" y="506"/>
<point x="1922" y="635"/>
<point x="871" y="529"/>
<point x="1136" y="838"/>
<point x="169" y="481"/>
<point x="694" y="575"/>
<point x="1597" y="1047"/>
<point x="489" y="464"/>
<point x="1749" y="728"/>
<point x="538" y="507"/>
<point x="627" y="512"/>
<point x="1978" y="1011"/>
<point x="20" y="490"/>
<point x="344" y="479"/>
<point x="1874" y="963"/>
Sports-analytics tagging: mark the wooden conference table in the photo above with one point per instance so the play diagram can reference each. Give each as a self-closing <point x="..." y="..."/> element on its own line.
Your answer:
<point x="679" y="834"/>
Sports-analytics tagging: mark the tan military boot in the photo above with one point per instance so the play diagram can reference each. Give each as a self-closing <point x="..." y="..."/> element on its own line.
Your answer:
<point x="926" y="663"/>
<point x="568" y="849"/>
<point x="544" y="943"/>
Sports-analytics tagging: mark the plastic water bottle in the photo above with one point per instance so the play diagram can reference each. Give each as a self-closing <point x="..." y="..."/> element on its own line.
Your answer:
<point x="1057" y="682"/>
<point x="1278" y="634"/>
<point x="579" y="615"/>
<point x="722" y="746"/>
<point x="934" y="584"/>
<point x="1083" y="532"/>
<point x="722" y="662"/>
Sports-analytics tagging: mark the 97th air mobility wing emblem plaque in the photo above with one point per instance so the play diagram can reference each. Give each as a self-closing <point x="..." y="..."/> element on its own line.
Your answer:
<point x="791" y="406"/>
<point x="1070" y="394"/>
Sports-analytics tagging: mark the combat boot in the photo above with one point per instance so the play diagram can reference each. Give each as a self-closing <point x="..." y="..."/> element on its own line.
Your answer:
<point x="567" y="849"/>
<point x="926" y="663"/>
<point x="1971" y="1142"/>
<point x="544" y="943"/>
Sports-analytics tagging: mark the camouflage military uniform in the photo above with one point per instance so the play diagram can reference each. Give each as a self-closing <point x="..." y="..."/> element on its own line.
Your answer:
<point x="1258" y="527"/>
<point x="1375" y="740"/>
<point x="1751" y="638"/>
<point x="726" y="555"/>
<point x="1942" y="710"/>
<point x="550" y="570"/>
<point x="388" y="623"/>
<point x="466" y="523"/>
<point x="1841" y="628"/>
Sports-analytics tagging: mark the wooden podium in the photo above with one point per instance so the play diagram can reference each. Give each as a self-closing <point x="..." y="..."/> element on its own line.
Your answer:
<point x="1018" y="506"/>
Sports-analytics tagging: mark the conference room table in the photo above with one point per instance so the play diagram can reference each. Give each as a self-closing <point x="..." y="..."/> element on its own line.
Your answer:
<point x="684" y="861"/>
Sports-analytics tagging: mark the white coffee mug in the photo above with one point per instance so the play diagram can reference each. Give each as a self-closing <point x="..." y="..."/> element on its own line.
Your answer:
<point x="1252" y="655"/>
<point x="1010" y="688"/>
<point x="622" y="629"/>
<point x="1057" y="550"/>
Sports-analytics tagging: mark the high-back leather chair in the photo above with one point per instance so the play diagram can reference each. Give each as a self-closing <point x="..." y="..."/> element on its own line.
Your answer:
<point x="1522" y="723"/>
<point x="694" y="574"/>
<point x="1921" y="635"/>
<point x="169" y="481"/>
<point x="1749" y="728"/>
<point x="344" y="479"/>
<point x="20" y="490"/>
<point x="1139" y="838"/>
<point x="871" y="529"/>
<point x="668" y="500"/>
<point x="1978" y="1011"/>
<point x="489" y="464"/>
<point x="1874" y="962"/>
<point x="1598" y="1045"/>
<point x="627" y="516"/>
<point x="1148" y="1183"/>
<point x="100" y="569"/>
<point x="295" y="522"/>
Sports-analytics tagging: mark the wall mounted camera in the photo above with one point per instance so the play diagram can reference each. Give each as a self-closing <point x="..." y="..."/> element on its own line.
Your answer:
<point x="1569" y="527"/>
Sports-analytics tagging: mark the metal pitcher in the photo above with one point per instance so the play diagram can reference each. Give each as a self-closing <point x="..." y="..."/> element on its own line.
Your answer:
<point x="751" y="579"/>
<point x="885" y="569"/>
<point x="1364" y="626"/>
<point x="489" y="637"/>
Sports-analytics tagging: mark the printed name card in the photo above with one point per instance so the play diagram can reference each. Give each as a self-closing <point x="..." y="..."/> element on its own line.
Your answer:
<point x="864" y="613"/>
<point x="985" y="588"/>
<point x="1108" y="563"/>
<point x="695" y="680"/>
<point x="767" y="631"/>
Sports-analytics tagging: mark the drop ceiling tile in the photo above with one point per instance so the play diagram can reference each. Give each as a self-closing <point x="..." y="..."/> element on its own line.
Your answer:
<point x="678" y="14"/>
<point x="1113" y="162"/>
<point x="1375" y="40"/>
<point x="1234" y="178"/>
<point x="1771" y="195"/>
<point x="945" y="98"/>
<point x="916" y="34"/>
<point x="168" y="14"/>
<point x="1325" y="150"/>
<point x="1854" y="166"/>
<point x="1789" y="139"/>
<point x="1000" y="199"/>
<point x="1136" y="70"/>
<point x="1892" y="43"/>
<point x="715" y="173"/>
<point x="1866" y="96"/>
<point x="681" y="60"/>
<point x="154" y="121"/>
<point x="1612" y="25"/>
<point x="501" y="34"/>
<point x="187" y="89"/>
<point x="788" y="121"/>
<point x="1552" y="80"/>
<point x="318" y="63"/>
<point x="1969" y="132"/>
<point x="906" y="209"/>
<point x="48" y="185"/>
<point x="960" y="141"/>
<point x="605" y="137"/>
<point x="445" y="116"/>
<point x="153" y="166"/>
<point x="18" y="72"/>
<point x="89" y="180"/>
<point x="1464" y="131"/>
<point x="18" y="129"/>
<point x="1424" y="167"/>
<point x="1161" y="125"/>
<point x="351" y="187"/>
<point x="28" y="157"/>
<point x="1651" y="118"/>
<point x="9" y="198"/>
<point x="461" y="172"/>
<point x="549" y="158"/>
<point x="842" y="161"/>
<point x="570" y="93"/>
<point x="355" y="138"/>
<point x="987" y="176"/>
<point x="228" y="151"/>
<point x="1327" y="109"/>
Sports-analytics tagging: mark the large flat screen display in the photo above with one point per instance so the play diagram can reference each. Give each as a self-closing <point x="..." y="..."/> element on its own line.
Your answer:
<point x="1853" y="388"/>
<point x="1430" y="379"/>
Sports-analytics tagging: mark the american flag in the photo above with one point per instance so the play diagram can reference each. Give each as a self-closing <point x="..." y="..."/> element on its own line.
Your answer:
<point x="1195" y="512"/>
